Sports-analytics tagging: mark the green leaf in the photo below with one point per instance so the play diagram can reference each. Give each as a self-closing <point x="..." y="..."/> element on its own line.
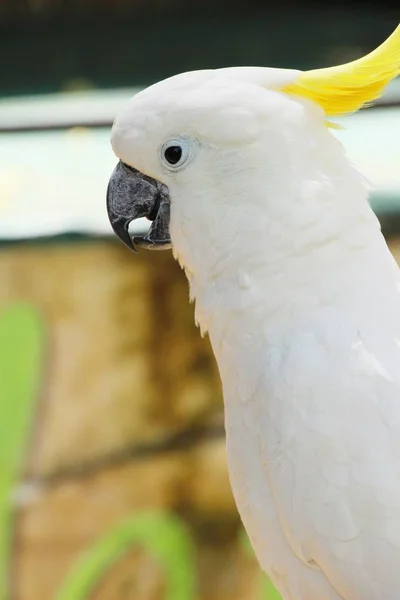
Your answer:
<point x="161" y="535"/>
<point x="21" y="348"/>
<point x="268" y="592"/>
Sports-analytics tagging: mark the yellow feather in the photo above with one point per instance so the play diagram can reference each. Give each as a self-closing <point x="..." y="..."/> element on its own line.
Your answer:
<point x="346" y="88"/>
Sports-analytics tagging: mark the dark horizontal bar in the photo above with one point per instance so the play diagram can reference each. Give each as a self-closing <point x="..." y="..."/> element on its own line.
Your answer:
<point x="55" y="126"/>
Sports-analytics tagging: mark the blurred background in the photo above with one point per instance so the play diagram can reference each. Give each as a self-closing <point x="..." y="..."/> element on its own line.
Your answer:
<point x="113" y="479"/>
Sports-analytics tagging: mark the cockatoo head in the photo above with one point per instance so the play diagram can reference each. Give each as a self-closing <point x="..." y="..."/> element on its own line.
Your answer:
<point x="219" y="159"/>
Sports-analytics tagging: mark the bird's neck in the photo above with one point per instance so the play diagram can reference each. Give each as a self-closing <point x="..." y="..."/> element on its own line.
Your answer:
<point x="253" y="297"/>
<point x="255" y="308"/>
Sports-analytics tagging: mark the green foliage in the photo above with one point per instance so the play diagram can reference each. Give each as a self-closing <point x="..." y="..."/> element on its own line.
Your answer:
<point x="268" y="592"/>
<point x="21" y="348"/>
<point x="160" y="534"/>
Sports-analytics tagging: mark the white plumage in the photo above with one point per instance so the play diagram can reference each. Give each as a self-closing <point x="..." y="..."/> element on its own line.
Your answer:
<point x="300" y="296"/>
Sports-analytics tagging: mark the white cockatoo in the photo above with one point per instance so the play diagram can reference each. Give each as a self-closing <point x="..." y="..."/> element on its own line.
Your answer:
<point x="240" y="174"/>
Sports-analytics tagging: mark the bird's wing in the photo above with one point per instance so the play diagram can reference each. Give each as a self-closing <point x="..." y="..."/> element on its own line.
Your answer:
<point x="329" y="437"/>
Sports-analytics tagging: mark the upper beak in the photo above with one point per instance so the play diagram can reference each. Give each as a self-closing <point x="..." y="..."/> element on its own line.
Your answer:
<point x="131" y="195"/>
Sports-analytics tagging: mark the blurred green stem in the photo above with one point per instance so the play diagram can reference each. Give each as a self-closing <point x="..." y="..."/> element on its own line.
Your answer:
<point x="21" y="344"/>
<point x="160" y="534"/>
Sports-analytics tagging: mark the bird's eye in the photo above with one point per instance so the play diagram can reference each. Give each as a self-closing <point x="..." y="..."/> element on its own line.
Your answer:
<point x="177" y="152"/>
<point x="173" y="154"/>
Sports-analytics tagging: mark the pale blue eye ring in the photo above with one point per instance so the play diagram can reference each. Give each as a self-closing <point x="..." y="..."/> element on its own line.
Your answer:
<point x="176" y="153"/>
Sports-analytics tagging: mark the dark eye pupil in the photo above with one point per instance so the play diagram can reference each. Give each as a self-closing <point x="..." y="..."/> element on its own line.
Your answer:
<point x="173" y="154"/>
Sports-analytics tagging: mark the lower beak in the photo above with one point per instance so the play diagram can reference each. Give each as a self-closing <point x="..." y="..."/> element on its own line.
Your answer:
<point x="132" y="195"/>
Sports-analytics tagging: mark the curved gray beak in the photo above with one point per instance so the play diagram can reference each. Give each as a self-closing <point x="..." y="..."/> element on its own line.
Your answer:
<point x="131" y="195"/>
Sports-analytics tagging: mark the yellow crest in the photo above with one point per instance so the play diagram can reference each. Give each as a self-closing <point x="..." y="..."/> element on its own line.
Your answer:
<point x="346" y="88"/>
